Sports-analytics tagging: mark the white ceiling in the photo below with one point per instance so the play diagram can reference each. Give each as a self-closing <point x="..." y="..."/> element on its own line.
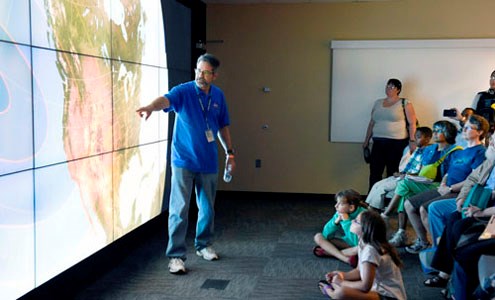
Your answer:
<point x="284" y="1"/>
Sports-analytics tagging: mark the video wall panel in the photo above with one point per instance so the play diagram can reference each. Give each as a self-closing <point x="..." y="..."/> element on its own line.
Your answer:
<point x="136" y="84"/>
<point x="137" y="190"/>
<point x="78" y="167"/>
<point x="73" y="219"/>
<point x="73" y="109"/>
<point x="16" y="234"/>
<point x="13" y="13"/>
<point x="16" y="136"/>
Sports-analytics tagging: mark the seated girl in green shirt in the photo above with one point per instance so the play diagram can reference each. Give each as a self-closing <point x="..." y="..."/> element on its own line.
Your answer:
<point x="331" y="242"/>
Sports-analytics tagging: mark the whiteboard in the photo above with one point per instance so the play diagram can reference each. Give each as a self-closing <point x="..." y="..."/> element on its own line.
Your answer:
<point x="435" y="75"/>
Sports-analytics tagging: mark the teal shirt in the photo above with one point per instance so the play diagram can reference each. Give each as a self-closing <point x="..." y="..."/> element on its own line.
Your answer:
<point x="330" y="228"/>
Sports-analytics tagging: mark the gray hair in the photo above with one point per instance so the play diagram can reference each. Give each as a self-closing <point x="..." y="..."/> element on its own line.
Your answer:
<point x="211" y="59"/>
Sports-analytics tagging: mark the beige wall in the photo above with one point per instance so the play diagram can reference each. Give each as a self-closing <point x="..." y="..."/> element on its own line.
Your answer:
<point x="285" y="47"/>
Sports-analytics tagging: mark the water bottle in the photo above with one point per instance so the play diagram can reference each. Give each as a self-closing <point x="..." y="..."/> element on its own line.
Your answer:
<point x="227" y="177"/>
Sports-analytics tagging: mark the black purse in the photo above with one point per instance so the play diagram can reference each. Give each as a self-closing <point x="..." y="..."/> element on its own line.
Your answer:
<point x="472" y="234"/>
<point x="367" y="154"/>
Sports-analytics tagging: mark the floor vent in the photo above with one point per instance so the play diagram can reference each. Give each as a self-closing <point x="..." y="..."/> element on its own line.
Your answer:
<point x="217" y="284"/>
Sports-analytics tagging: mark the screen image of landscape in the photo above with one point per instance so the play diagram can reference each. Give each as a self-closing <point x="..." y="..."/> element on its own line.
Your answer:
<point x="78" y="167"/>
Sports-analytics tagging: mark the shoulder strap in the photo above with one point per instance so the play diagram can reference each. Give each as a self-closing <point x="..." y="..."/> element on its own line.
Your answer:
<point x="405" y="115"/>
<point x="448" y="152"/>
<point x="404" y="110"/>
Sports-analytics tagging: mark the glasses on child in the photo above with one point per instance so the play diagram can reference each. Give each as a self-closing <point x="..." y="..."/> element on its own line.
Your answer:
<point x="356" y="221"/>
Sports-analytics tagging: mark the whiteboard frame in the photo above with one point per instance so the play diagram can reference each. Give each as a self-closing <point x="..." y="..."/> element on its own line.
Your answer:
<point x="397" y="46"/>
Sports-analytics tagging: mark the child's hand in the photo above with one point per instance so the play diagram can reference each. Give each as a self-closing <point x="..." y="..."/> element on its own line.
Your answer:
<point x="338" y="278"/>
<point x="344" y="216"/>
<point x="335" y="276"/>
<point x="329" y="275"/>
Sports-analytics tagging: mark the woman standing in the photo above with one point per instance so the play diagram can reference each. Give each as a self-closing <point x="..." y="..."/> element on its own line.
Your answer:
<point x="392" y="127"/>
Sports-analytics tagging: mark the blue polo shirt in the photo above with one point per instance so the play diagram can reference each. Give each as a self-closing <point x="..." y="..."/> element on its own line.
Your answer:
<point x="461" y="163"/>
<point x="190" y="147"/>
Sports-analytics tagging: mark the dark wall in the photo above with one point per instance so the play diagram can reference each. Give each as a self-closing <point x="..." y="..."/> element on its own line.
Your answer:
<point x="185" y="30"/>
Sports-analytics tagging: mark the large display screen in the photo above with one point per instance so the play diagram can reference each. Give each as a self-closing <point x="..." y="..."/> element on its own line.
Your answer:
<point x="78" y="167"/>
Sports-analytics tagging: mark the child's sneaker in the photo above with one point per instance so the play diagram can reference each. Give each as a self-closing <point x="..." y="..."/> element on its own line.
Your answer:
<point x="418" y="246"/>
<point x="319" y="252"/>
<point x="399" y="239"/>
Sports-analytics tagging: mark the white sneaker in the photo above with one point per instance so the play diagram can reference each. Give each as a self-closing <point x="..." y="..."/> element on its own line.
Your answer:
<point x="418" y="246"/>
<point x="176" y="266"/>
<point x="207" y="253"/>
<point x="399" y="239"/>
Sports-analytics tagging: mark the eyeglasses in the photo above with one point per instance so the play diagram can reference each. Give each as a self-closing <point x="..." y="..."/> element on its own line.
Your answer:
<point x="390" y="87"/>
<point x="437" y="130"/>
<point x="205" y="73"/>
<point x="492" y="78"/>
<point x="465" y="128"/>
<point x="356" y="221"/>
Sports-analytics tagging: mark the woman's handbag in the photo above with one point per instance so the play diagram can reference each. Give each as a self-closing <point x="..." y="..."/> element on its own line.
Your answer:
<point x="430" y="171"/>
<point x="367" y="154"/>
<point x="478" y="196"/>
<point x="472" y="233"/>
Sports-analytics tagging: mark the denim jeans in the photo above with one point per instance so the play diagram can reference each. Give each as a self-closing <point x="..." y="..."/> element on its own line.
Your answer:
<point x="180" y="198"/>
<point x="438" y="213"/>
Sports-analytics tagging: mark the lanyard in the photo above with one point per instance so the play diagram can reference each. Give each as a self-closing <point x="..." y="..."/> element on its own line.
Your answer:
<point x="205" y="113"/>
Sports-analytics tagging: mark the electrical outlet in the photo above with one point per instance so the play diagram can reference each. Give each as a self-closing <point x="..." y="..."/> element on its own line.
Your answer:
<point x="257" y="163"/>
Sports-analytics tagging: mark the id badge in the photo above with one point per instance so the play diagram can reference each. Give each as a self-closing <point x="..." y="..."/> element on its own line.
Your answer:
<point x="209" y="136"/>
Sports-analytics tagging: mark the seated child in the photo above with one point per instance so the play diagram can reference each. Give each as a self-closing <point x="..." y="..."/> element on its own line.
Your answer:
<point x="377" y="275"/>
<point x="349" y="205"/>
<point x="444" y="134"/>
<point x="410" y="164"/>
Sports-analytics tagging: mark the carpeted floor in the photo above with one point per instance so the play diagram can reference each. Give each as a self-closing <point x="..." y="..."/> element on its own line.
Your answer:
<point x="265" y="245"/>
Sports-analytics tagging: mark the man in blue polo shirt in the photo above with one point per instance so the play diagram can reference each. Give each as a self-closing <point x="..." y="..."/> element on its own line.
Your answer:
<point x="201" y="116"/>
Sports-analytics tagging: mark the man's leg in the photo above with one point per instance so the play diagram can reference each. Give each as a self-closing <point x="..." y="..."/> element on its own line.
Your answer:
<point x="178" y="211"/>
<point x="467" y="258"/>
<point x="206" y="187"/>
<point x="443" y="260"/>
<point x="437" y="217"/>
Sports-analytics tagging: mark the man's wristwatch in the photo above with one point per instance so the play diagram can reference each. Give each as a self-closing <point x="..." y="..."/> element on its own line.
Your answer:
<point x="230" y="153"/>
